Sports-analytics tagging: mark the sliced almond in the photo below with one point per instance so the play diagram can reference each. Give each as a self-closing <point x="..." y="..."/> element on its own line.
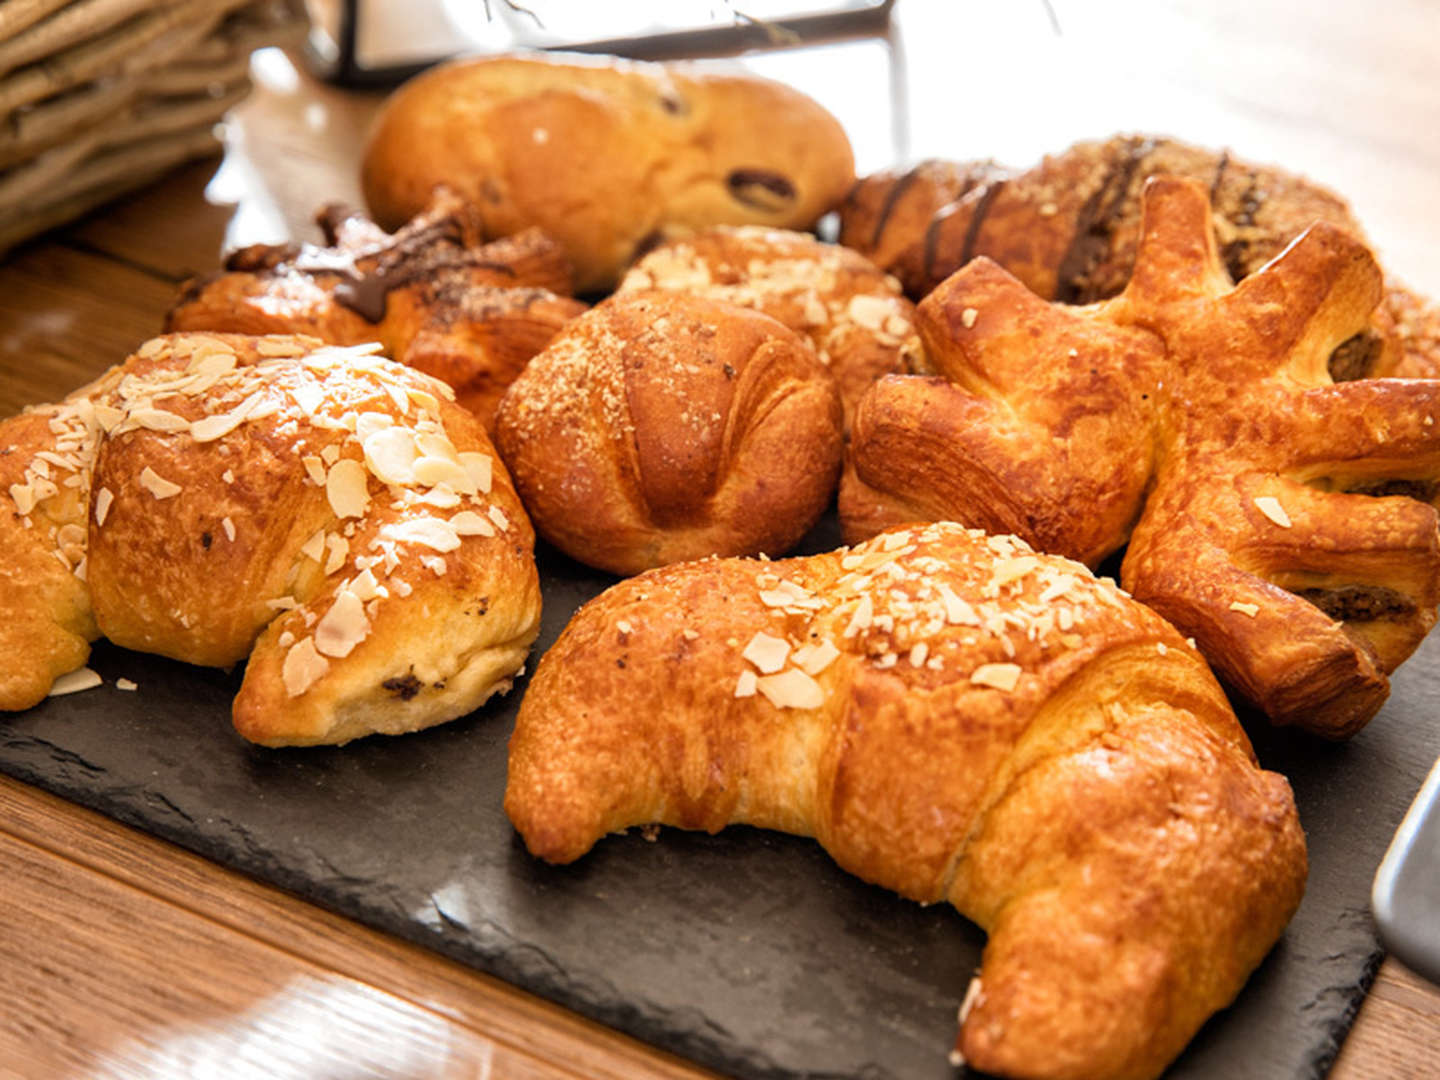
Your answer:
<point x="24" y="497"/>
<point x="480" y="467"/>
<point x="229" y="527"/>
<point x="211" y="428"/>
<point x="745" y="686"/>
<point x="429" y="532"/>
<point x="314" y="468"/>
<point x="791" y="689"/>
<point x="157" y="485"/>
<point x="430" y="470"/>
<point x="1245" y="609"/>
<point x="1271" y="508"/>
<point x="767" y="653"/>
<point x="469" y="523"/>
<point x="303" y="667"/>
<point x="338" y="550"/>
<point x="346" y="486"/>
<point x="997" y="676"/>
<point x="861" y="619"/>
<point x="159" y="420"/>
<point x="103" y="498"/>
<point x="815" y="658"/>
<point x="72" y="682"/>
<point x="314" y="548"/>
<point x="342" y="627"/>
<point x="390" y="454"/>
<point x="498" y="517"/>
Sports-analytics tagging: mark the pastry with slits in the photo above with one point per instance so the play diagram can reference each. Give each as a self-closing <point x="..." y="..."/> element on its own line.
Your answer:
<point x="435" y="295"/>
<point x="1267" y="509"/>
<point x="331" y="515"/>
<point x="1068" y="228"/>
<point x="959" y="719"/>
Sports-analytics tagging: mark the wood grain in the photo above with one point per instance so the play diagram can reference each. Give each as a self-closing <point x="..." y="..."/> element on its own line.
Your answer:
<point x="122" y="955"/>
<point x="117" y="947"/>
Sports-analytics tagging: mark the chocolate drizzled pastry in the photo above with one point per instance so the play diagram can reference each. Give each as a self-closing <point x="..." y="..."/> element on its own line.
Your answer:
<point x="1068" y="228"/>
<point x="433" y="293"/>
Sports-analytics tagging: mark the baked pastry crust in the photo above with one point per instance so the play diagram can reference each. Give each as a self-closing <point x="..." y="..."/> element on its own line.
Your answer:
<point x="1069" y="229"/>
<point x="327" y="513"/>
<point x="1197" y="421"/>
<point x="955" y="718"/>
<point x="607" y="156"/>
<point x="660" y="427"/>
<point x="855" y="317"/>
<point x="435" y="295"/>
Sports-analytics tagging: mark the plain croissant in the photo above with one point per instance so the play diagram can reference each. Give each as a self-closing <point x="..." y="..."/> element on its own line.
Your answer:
<point x="327" y="513"/>
<point x="956" y="718"/>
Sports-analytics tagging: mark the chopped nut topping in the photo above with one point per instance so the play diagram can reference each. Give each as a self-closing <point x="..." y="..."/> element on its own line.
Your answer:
<point x="815" y="658"/>
<point x="968" y="317"/>
<point x="746" y="685"/>
<point x="229" y="527"/>
<point x="123" y="683"/>
<point x="1245" y="609"/>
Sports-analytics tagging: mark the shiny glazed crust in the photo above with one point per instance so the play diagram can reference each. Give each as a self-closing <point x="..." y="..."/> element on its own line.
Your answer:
<point x="607" y="156"/>
<point x="660" y="427"/>
<point x="434" y="294"/>
<point x="853" y="315"/>
<point x="327" y="513"/>
<point x="1265" y="505"/>
<point x="955" y="718"/>
<point x="1069" y="227"/>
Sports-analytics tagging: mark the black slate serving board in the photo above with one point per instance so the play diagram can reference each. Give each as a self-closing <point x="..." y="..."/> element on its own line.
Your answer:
<point x="749" y="952"/>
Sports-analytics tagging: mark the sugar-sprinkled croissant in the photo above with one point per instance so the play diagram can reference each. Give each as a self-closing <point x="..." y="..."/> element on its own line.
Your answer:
<point x="1069" y="228"/>
<point x="956" y="718"/>
<point x="853" y="314"/>
<point x="1267" y="508"/>
<point x="331" y="515"/>
<point x="660" y="427"/>
<point x="434" y="294"/>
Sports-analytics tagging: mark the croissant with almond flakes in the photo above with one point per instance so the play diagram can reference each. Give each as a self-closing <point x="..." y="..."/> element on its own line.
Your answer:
<point x="1280" y="518"/>
<point x="956" y="718"/>
<point x="331" y="515"/>
<point x="1068" y="229"/>
<point x="435" y="295"/>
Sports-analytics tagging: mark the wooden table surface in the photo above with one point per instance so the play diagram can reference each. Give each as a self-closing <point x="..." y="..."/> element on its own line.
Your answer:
<point x="121" y="955"/>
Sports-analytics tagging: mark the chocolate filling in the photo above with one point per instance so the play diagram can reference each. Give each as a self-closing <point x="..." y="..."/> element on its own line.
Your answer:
<point x="760" y="188"/>
<point x="1237" y="251"/>
<point x="1359" y="603"/>
<point x="1424" y="490"/>
<point x="404" y="687"/>
<point x="1354" y="357"/>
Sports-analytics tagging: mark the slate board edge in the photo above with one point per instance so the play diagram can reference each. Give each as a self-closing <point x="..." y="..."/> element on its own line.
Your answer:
<point x="656" y="1026"/>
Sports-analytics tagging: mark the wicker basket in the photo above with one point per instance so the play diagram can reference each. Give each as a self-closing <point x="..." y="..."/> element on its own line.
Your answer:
<point x="102" y="96"/>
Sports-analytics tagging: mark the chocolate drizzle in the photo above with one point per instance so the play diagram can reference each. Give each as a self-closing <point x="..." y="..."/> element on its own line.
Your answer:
<point x="1091" y="242"/>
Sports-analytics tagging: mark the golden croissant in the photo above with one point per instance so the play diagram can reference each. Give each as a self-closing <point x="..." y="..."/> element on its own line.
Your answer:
<point x="956" y="718"/>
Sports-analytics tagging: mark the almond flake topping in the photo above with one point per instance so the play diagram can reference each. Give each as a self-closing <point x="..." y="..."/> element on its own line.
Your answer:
<point x="159" y="420"/>
<point x="918" y="653"/>
<point x="390" y="454"/>
<point x="1271" y="508"/>
<point x="338" y="550"/>
<point x="745" y="685"/>
<point x="342" y="627"/>
<point x="303" y="667"/>
<point x="429" y="532"/>
<point x="791" y="689"/>
<point x="958" y="612"/>
<point x="346" y="488"/>
<point x="815" y="658"/>
<point x="315" y="546"/>
<point x="766" y="653"/>
<point x="469" y="523"/>
<point x="229" y="527"/>
<point x="211" y="428"/>
<point x="498" y="517"/>
<point x="480" y="467"/>
<point x="997" y="676"/>
<point x="72" y="682"/>
<point x="1245" y="609"/>
<point x="315" y="468"/>
<point x="123" y="683"/>
<point x="157" y="485"/>
<point x="103" y="499"/>
<point x="24" y="497"/>
<point x="863" y="616"/>
<point x="968" y="317"/>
